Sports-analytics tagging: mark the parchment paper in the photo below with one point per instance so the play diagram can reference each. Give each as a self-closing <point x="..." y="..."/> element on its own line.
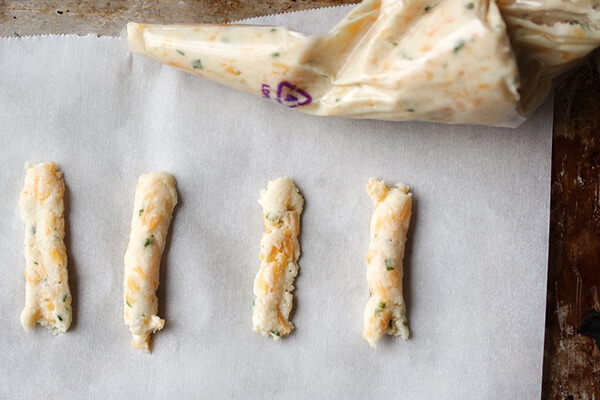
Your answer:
<point x="475" y="266"/>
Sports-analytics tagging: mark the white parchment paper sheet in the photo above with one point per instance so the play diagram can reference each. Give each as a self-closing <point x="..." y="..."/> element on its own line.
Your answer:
<point x="476" y="259"/>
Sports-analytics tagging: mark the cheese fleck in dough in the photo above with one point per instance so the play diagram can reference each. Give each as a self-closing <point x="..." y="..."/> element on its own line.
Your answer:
<point x="385" y="311"/>
<point x="155" y="199"/>
<point x="48" y="297"/>
<point x="280" y="250"/>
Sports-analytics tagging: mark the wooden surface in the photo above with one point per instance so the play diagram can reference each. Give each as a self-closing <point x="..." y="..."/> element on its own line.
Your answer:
<point x="572" y="360"/>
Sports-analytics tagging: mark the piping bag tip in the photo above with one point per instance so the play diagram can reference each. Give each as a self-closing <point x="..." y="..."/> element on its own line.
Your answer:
<point x="132" y="38"/>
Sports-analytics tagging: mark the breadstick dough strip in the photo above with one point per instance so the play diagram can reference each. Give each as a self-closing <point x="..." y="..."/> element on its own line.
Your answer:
<point x="279" y="253"/>
<point x="385" y="311"/>
<point x="155" y="199"/>
<point x="47" y="293"/>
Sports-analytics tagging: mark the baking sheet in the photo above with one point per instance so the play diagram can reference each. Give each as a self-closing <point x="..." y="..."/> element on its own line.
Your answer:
<point x="476" y="257"/>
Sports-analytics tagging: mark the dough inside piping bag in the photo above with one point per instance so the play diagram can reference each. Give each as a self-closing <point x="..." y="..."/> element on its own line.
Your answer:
<point x="447" y="61"/>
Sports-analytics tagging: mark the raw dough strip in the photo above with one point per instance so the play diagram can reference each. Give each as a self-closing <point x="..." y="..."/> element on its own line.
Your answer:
<point x="48" y="297"/>
<point x="385" y="311"/>
<point x="155" y="199"/>
<point x="280" y="250"/>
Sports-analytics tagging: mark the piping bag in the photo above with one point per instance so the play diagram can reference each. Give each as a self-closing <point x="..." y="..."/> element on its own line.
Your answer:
<point x="450" y="61"/>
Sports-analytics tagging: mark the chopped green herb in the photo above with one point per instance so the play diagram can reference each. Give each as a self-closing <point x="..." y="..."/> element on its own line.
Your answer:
<point x="180" y="52"/>
<point x="410" y="110"/>
<point x="32" y="230"/>
<point x="379" y="308"/>
<point x="197" y="64"/>
<point x="395" y="43"/>
<point x="390" y="324"/>
<point x="459" y="45"/>
<point x="276" y="54"/>
<point x="141" y="212"/>
<point x="253" y="302"/>
<point x="427" y="8"/>
<point x="59" y="318"/>
<point x="273" y="217"/>
<point x="584" y="27"/>
<point x="389" y="264"/>
<point x="149" y="241"/>
<point x="276" y="333"/>
<point x="370" y="293"/>
<point x="337" y="100"/>
<point x="405" y="323"/>
<point x="128" y="303"/>
<point x="35" y="263"/>
<point x="273" y="29"/>
<point x="374" y="236"/>
<point x="470" y="6"/>
<point x="65" y="297"/>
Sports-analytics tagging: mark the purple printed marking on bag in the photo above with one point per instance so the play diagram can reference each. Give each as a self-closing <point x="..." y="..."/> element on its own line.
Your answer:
<point x="288" y="94"/>
<point x="292" y="96"/>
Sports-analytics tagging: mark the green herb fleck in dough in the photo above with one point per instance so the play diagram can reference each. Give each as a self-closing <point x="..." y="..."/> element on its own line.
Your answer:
<point x="459" y="45"/>
<point x="149" y="241"/>
<point x="197" y="64"/>
<point x="141" y="212"/>
<point x="389" y="264"/>
<point x="395" y="43"/>
<point x="379" y="308"/>
<point x="470" y="6"/>
<point x="273" y="30"/>
<point x="253" y="302"/>
<point x="276" y="333"/>
<point x="405" y="323"/>
<point x="36" y="263"/>
<point x="180" y="52"/>
<point x="410" y="110"/>
<point x="59" y="318"/>
<point x="390" y="324"/>
<point x="128" y="303"/>
<point x="276" y="54"/>
<point x="65" y="297"/>
<point x="427" y="8"/>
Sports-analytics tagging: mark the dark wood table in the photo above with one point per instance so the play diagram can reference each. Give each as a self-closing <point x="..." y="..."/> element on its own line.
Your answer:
<point x="571" y="359"/>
